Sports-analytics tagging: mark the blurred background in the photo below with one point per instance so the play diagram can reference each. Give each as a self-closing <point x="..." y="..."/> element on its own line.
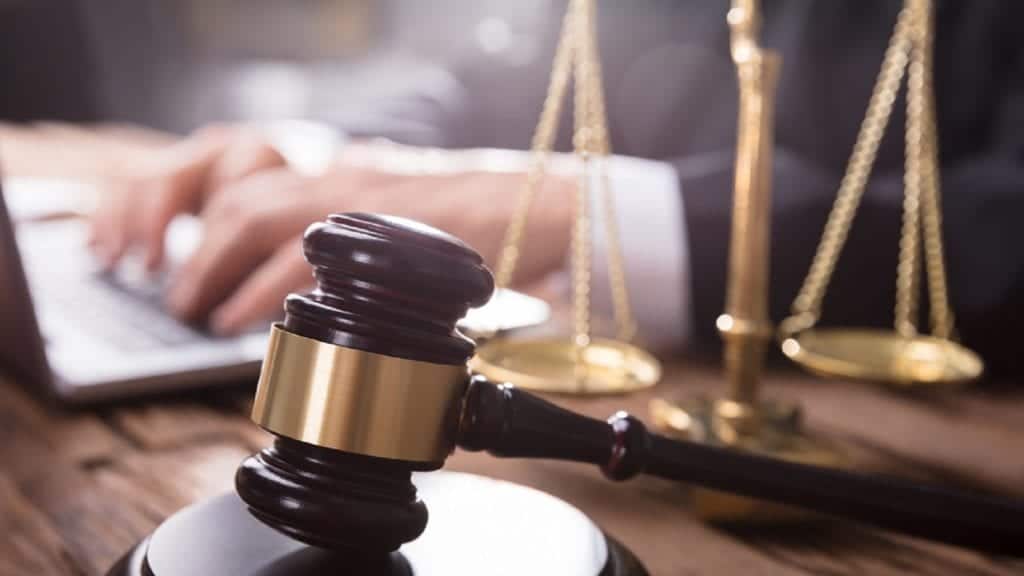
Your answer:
<point x="472" y="74"/>
<point x="177" y="64"/>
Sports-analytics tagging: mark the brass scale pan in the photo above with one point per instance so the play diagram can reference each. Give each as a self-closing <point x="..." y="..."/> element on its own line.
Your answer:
<point x="883" y="356"/>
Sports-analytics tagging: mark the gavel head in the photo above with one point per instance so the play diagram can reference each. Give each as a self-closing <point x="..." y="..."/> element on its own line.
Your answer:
<point x="362" y="383"/>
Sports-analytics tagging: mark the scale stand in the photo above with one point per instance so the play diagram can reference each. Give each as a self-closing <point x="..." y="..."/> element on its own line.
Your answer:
<point x="741" y="419"/>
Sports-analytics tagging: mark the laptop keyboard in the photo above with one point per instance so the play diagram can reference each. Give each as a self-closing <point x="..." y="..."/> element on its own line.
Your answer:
<point x="123" y="308"/>
<point x="130" y="317"/>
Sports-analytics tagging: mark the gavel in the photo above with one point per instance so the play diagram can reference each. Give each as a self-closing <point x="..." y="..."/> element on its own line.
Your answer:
<point x="365" y="382"/>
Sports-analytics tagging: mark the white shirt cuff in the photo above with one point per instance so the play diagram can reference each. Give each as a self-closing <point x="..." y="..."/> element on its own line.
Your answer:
<point x="649" y="212"/>
<point x="308" y="147"/>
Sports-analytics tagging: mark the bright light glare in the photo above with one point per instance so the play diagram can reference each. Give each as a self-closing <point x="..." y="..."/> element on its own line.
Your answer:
<point x="493" y="35"/>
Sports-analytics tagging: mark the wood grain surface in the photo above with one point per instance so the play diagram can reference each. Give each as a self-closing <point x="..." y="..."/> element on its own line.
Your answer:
<point x="78" y="487"/>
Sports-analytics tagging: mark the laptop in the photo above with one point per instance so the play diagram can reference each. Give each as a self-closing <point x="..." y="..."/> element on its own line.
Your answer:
<point x="88" y="335"/>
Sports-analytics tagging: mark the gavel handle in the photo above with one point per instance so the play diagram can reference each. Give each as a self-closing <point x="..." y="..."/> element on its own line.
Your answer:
<point x="509" y="422"/>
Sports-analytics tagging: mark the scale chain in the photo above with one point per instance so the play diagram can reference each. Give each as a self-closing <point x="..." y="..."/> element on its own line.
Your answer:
<point x="601" y="147"/>
<point x="576" y="57"/>
<point x="582" y="144"/>
<point x="541" y="145"/>
<point x="909" y="51"/>
<point x="907" y="269"/>
<point x="807" y="306"/>
<point x="940" y="310"/>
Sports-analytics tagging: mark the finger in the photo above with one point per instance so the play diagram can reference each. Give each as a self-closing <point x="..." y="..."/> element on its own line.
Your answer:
<point x="99" y="224"/>
<point x="169" y="197"/>
<point x="219" y="265"/>
<point x="109" y="235"/>
<point x="261" y="295"/>
<point x="178" y="191"/>
<point x="111" y="193"/>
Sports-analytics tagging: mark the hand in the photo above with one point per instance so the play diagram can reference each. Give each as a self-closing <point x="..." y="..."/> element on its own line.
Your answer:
<point x="142" y="200"/>
<point x="251" y="255"/>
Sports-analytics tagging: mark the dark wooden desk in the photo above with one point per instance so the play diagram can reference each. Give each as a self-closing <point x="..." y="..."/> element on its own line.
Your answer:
<point x="79" y="488"/>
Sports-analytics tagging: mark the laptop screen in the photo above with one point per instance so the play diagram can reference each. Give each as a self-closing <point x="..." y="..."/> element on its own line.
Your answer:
<point x="21" y="346"/>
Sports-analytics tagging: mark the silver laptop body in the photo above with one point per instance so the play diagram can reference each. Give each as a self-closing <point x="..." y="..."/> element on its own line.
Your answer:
<point x="86" y="336"/>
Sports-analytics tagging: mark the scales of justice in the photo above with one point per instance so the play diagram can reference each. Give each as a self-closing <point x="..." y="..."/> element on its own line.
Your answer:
<point x="366" y="386"/>
<point x="582" y="364"/>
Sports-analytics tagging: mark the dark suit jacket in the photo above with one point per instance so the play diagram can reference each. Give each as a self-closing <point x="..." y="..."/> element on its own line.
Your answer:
<point x="672" y="95"/>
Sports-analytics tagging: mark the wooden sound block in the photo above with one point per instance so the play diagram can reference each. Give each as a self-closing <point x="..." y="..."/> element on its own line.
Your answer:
<point x="477" y="526"/>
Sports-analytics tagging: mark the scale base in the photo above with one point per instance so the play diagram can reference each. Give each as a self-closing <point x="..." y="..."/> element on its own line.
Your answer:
<point x="477" y="526"/>
<point x="768" y="428"/>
